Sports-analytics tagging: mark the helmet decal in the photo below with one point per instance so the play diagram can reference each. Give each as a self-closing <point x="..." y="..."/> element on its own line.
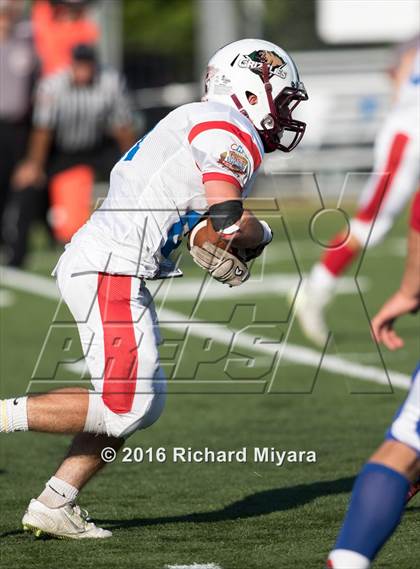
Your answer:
<point x="211" y="72"/>
<point x="256" y="60"/>
<point x="222" y="85"/>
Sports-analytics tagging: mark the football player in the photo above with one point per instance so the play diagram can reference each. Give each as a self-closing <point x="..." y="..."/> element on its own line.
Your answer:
<point x="393" y="181"/>
<point x="203" y="157"/>
<point x="383" y="486"/>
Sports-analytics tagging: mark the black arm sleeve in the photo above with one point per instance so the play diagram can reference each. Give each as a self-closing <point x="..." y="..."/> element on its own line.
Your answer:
<point x="225" y="214"/>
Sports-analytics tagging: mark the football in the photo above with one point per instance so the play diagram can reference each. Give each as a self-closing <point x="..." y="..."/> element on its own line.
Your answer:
<point x="203" y="232"/>
<point x="215" y="255"/>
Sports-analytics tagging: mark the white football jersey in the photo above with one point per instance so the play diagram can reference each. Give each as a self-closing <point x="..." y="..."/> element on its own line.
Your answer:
<point x="156" y="191"/>
<point x="409" y="96"/>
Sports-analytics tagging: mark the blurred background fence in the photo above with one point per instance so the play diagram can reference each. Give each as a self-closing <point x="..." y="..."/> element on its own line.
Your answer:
<point x="346" y="51"/>
<point x="348" y="76"/>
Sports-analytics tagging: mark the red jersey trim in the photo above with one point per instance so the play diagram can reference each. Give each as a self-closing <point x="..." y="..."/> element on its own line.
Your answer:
<point x="219" y="177"/>
<point x="244" y="137"/>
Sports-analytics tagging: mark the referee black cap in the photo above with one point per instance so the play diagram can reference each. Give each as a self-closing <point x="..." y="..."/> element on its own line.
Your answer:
<point x="84" y="52"/>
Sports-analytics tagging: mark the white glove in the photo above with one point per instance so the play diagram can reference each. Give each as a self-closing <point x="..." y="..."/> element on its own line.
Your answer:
<point x="220" y="263"/>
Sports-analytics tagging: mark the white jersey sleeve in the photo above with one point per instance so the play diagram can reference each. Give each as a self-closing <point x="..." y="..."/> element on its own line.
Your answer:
<point x="223" y="151"/>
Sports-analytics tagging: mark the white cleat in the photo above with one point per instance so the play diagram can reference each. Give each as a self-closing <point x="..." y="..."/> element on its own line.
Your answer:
<point x="310" y="313"/>
<point x="67" y="522"/>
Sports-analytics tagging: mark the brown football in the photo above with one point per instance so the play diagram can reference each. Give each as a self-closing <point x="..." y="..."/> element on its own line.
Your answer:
<point x="203" y="232"/>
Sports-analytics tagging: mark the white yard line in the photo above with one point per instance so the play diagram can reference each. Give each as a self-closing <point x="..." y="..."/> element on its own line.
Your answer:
<point x="194" y="566"/>
<point x="29" y="282"/>
<point x="307" y="249"/>
<point x="280" y="284"/>
<point x="7" y="298"/>
<point x="288" y="352"/>
<point x="185" y="289"/>
<point x="43" y="286"/>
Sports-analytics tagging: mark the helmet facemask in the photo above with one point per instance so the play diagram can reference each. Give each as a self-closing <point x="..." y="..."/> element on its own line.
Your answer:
<point x="280" y="131"/>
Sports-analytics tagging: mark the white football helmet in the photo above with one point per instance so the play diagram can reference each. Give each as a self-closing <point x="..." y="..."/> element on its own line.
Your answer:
<point x="261" y="80"/>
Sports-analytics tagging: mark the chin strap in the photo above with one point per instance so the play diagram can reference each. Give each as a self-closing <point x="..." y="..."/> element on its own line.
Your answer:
<point x="268" y="89"/>
<point x="239" y="106"/>
<point x="269" y="92"/>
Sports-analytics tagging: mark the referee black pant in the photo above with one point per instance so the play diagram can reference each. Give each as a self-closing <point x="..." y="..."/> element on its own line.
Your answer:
<point x="13" y="140"/>
<point x="31" y="203"/>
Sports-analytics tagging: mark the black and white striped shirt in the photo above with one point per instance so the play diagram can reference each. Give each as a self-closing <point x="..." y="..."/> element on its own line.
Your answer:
<point x="80" y="116"/>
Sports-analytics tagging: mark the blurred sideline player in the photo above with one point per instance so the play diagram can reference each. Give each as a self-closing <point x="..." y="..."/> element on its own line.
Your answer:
<point x="202" y="158"/>
<point x="60" y="25"/>
<point x="380" y="492"/>
<point x="82" y="123"/>
<point x="394" y="179"/>
<point x="18" y="73"/>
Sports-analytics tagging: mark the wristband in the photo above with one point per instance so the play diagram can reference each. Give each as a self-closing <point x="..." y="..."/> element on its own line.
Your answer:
<point x="267" y="233"/>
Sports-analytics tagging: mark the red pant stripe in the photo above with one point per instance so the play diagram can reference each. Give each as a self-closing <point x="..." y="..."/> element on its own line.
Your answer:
<point x="369" y="211"/>
<point x="120" y="347"/>
<point x="338" y="257"/>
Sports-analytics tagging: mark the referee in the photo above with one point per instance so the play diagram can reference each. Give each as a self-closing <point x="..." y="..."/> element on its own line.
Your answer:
<point x="81" y="125"/>
<point x="18" y="72"/>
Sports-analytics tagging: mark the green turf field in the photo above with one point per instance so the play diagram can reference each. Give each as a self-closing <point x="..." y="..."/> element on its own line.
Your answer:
<point x="225" y="394"/>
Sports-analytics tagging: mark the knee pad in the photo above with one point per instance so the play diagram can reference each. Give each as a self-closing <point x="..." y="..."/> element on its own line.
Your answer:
<point x="100" y="419"/>
<point x="370" y="233"/>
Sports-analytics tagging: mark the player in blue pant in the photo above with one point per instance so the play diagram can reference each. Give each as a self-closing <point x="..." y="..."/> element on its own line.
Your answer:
<point x="392" y="474"/>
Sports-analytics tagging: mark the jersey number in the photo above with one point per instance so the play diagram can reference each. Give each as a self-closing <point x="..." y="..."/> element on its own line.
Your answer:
<point x="134" y="149"/>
